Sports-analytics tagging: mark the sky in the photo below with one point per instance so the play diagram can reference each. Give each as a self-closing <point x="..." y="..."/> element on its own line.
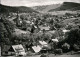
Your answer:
<point x="31" y="3"/>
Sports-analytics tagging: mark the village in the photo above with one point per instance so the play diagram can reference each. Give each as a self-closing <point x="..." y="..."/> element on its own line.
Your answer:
<point x="39" y="31"/>
<point x="36" y="33"/>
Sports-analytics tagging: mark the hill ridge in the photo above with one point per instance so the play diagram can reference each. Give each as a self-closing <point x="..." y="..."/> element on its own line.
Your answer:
<point x="66" y="6"/>
<point x="5" y="8"/>
<point x="46" y="8"/>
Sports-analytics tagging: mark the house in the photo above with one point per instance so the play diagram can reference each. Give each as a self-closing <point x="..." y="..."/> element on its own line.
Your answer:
<point x="28" y="22"/>
<point x="19" y="32"/>
<point x="55" y="40"/>
<point x="36" y="48"/>
<point x="43" y="43"/>
<point x="44" y="28"/>
<point x="5" y="50"/>
<point x="52" y="32"/>
<point x="18" y="49"/>
<point x="53" y="43"/>
<point x="13" y="50"/>
<point x="64" y="31"/>
<point x="45" y="47"/>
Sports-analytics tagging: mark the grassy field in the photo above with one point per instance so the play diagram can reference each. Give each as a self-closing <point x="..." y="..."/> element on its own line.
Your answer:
<point x="71" y="20"/>
<point x="62" y="12"/>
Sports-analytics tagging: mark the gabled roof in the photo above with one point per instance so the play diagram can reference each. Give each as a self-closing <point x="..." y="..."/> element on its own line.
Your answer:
<point x="55" y="40"/>
<point x="28" y="22"/>
<point x="42" y="42"/>
<point x="5" y="48"/>
<point x="66" y="31"/>
<point x="36" y="48"/>
<point x="18" y="48"/>
<point x="52" y="32"/>
<point x="42" y="27"/>
<point x="44" y="45"/>
<point x="18" y="32"/>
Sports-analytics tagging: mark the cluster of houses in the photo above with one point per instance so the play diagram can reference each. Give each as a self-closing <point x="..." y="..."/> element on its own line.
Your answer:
<point x="13" y="50"/>
<point x="37" y="25"/>
<point x="41" y="47"/>
<point x="19" y="50"/>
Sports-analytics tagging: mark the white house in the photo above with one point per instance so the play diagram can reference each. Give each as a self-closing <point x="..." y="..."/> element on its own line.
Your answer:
<point x="55" y="40"/>
<point x="36" y="48"/>
<point x="18" y="49"/>
<point x="44" y="44"/>
<point x="52" y="32"/>
<point x="44" y="28"/>
<point x="19" y="32"/>
<point x="64" y="31"/>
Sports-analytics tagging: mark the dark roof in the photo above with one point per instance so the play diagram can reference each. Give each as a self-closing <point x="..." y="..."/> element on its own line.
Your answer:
<point x="5" y="48"/>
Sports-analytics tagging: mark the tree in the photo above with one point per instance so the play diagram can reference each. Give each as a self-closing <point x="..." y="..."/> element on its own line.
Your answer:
<point x="57" y="25"/>
<point x="74" y="36"/>
<point x="3" y="33"/>
<point x="66" y="47"/>
<point x="6" y="30"/>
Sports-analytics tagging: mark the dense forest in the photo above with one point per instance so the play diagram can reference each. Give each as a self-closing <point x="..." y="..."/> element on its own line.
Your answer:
<point x="6" y="30"/>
